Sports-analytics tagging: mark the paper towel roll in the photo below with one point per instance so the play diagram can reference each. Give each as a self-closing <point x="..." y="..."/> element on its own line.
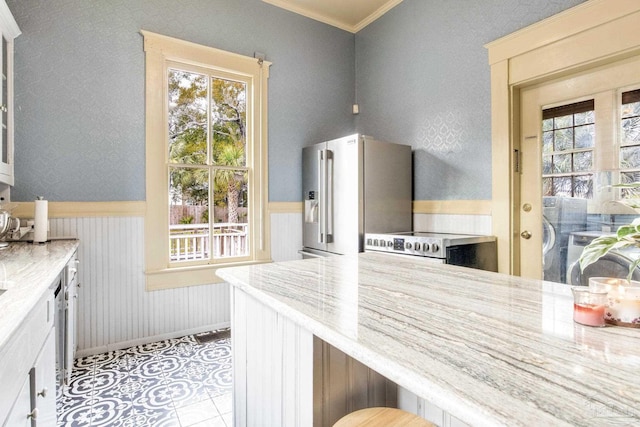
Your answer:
<point x="41" y="221"/>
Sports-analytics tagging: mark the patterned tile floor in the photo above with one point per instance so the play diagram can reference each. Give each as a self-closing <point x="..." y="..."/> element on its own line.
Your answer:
<point x="171" y="383"/>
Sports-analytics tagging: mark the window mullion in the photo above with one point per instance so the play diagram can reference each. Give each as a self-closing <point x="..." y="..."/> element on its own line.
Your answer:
<point x="211" y="216"/>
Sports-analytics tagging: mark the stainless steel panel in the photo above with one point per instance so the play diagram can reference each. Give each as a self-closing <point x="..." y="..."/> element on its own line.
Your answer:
<point x="311" y="187"/>
<point x="313" y="253"/>
<point x="387" y="187"/>
<point x="344" y="189"/>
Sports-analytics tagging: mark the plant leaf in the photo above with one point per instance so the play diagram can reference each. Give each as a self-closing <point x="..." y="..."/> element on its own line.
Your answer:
<point x="632" y="267"/>
<point x="596" y="249"/>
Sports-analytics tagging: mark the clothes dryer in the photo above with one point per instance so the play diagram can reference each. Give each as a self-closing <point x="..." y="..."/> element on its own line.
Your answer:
<point x="561" y="217"/>
<point x="613" y="264"/>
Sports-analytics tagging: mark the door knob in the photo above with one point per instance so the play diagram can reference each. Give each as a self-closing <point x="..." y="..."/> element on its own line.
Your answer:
<point x="525" y="235"/>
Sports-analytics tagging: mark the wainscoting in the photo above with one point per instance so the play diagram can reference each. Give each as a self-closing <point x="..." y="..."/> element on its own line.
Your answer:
<point x="115" y="311"/>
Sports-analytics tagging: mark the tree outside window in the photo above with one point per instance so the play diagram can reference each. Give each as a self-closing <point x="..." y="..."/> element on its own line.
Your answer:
<point x="207" y="162"/>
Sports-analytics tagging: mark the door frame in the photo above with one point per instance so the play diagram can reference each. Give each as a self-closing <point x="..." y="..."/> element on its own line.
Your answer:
<point x="587" y="36"/>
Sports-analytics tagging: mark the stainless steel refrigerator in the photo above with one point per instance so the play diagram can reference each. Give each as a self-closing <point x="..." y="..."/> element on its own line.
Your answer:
<point x="353" y="185"/>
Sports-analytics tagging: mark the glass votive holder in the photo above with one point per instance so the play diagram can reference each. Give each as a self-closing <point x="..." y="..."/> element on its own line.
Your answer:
<point x="623" y="300"/>
<point x="588" y="306"/>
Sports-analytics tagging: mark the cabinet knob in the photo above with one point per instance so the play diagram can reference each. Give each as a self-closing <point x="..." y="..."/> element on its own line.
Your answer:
<point x="44" y="392"/>
<point x="3" y="108"/>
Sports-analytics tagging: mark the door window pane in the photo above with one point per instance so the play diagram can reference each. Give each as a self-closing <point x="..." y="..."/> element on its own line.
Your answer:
<point x="563" y="139"/>
<point x="583" y="186"/>
<point x="585" y="136"/>
<point x="583" y="162"/>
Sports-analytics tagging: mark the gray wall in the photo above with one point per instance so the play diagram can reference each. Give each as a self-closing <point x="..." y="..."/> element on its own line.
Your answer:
<point x="423" y="79"/>
<point x="79" y="84"/>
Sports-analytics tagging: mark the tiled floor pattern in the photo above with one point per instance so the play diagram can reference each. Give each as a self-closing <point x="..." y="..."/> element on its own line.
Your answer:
<point x="171" y="383"/>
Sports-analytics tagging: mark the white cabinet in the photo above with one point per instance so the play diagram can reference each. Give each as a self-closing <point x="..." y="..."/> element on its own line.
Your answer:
<point x="43" y="383"/>
<point x="29" y="358"/>
<point x="9" y="31"/>
<point x="36" y="402"/>
<point x="20" y="415"/>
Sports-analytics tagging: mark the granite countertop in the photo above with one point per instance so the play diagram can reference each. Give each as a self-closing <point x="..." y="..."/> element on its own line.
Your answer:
<point x="489" y="348"/>
<point x="26" y="272"/>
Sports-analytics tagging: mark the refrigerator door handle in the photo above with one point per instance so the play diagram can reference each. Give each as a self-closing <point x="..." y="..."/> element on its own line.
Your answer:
<point x="329" y="197"/>
<point x="321" y="196"/>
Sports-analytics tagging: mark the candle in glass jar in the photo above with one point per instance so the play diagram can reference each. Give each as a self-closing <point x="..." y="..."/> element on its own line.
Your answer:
<point x="624" y="306"/>
<point x="588" y="314"/>
<point x="588" y="307"/>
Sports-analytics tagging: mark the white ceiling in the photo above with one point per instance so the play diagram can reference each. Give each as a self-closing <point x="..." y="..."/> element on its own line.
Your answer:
<point x="349" y="15"/>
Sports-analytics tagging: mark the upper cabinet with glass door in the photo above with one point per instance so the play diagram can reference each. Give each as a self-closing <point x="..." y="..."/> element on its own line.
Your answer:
<point x="9" y="29"/>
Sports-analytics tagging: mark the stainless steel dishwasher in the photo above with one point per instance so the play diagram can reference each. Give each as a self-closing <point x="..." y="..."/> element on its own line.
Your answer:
<point x="66" y="299"/>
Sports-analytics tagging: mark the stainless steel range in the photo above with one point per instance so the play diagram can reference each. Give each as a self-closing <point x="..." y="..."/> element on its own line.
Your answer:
<point x="465" y="250"/>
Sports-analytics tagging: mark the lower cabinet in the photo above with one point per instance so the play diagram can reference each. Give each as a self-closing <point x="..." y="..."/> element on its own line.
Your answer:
<point x="36" y="403"/>
<point x="20" y="415"/>
<point x="43" y="383"/>
<point x="28" y="377"/>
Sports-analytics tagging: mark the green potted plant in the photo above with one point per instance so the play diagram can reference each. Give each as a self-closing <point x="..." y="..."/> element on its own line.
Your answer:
<point x="628" y="235"/>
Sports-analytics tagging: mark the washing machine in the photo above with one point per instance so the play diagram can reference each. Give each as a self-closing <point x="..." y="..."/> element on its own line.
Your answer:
<point x="612" y="264"/>
<point x="561" y="217"/>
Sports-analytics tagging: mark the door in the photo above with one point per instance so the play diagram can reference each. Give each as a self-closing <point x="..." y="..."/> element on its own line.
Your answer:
<point x="312" y="178"/>
<point x="344" y="194"/>
<point x="572" y="150"/>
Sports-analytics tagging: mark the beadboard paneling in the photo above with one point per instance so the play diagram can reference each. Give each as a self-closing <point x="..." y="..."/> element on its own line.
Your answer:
<point x="114" y="309"/>
<point x="286" y="236"/>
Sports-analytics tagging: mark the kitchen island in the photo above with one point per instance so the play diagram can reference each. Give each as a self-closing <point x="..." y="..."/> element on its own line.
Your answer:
<point x="463" y="346"/>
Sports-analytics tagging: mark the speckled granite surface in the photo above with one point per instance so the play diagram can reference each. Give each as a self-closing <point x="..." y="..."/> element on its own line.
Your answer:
<point x="490" y="349"/>
<point x="26" y="272"/>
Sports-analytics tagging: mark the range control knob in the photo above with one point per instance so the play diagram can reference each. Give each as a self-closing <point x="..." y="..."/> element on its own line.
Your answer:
<point x="408" y="245"/>
<point x="390" y="243"/>
<point x="425" y="247"/>
<point x="435" y="247"/>
<point x="418" y="246"/>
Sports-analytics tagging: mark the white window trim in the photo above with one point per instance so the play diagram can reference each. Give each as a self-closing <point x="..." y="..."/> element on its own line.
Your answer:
<point x="159" y="50"/>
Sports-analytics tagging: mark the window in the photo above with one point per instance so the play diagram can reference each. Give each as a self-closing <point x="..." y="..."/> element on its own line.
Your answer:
<point x="630" y="141"/>
<point x="576" y="164"/>
<point x="206" y="164"/>
<point x="567" y="150"/>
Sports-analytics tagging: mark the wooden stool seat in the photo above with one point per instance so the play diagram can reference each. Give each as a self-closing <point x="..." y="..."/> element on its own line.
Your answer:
<point x="382" y="417"/>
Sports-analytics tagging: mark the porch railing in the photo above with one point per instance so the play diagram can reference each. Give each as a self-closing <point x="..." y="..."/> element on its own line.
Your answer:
<point x="189" y="242"/>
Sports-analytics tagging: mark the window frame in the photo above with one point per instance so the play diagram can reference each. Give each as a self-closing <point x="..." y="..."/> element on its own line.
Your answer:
<point x="162" y="53"/>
